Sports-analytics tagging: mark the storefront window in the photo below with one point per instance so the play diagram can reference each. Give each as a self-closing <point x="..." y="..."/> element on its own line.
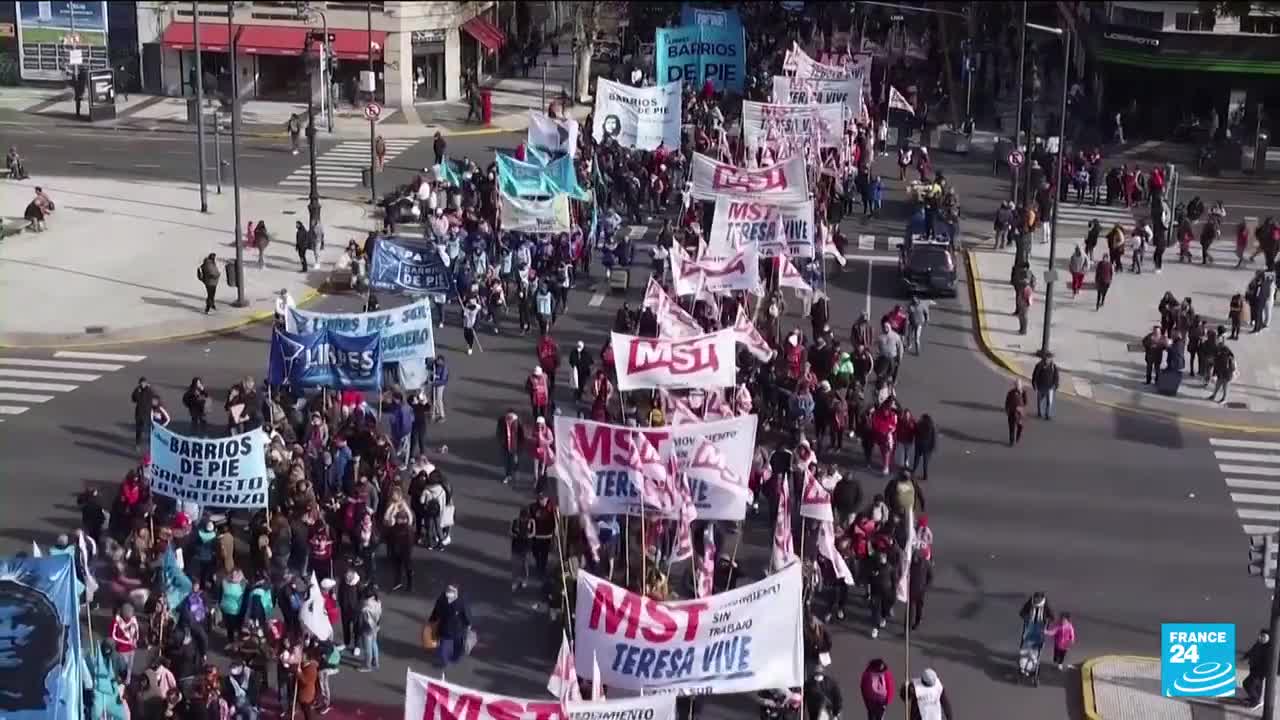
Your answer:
<point x="428" y="65"/>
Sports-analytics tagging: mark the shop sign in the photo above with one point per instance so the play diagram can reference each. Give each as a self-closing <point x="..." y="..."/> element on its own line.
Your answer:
<point x="422" y="37"/>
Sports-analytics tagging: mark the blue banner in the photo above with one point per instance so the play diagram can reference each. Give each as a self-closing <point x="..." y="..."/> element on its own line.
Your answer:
<point x="399" y="268"/>
<point x="700" y="53"/>
<point x="326" y="359"/>
<point x="406" y="331"/>
<point x="522" y="179"/>
<point x="563" y="176"/>
<point x="728" y="19"/>
<point x="40" y="656"/>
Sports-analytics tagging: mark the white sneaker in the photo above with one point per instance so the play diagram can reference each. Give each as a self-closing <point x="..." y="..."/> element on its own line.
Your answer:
<point x="446" y="541"/>
<point x="468" y="351"/>
<point x="356" y="652"/>
<point x="875" y="633"/>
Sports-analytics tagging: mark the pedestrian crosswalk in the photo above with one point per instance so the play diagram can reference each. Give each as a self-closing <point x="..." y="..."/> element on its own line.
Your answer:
<point x="1078" y="216"/>
<point x="1251" y="470"/>
<point x="340" y="166"/>
<point x="26" y="382"/>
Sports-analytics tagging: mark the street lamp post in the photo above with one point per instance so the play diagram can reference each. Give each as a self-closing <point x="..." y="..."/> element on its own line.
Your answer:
<point x="1050" y="276"/>
<point x="235" y="157"/>
<point x="373" y="91"/>
<point x="313" y="201"/>
<point x="1017" y="123"/>
<point x="199" y="83"/>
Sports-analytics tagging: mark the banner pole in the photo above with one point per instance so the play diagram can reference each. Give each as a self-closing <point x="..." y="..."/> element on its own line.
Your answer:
<point x="644" y="549"/>
<point x="733" y="558"/>
<point x="626" y="549"/>
<point x="564" y="580"/>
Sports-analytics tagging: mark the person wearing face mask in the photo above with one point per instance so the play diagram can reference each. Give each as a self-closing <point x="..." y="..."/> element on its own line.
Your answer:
<point x="453" y="625"/>
<point x="822" y="695"/>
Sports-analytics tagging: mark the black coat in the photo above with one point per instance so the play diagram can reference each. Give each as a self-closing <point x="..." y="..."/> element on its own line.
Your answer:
<point x="451" y="618"/>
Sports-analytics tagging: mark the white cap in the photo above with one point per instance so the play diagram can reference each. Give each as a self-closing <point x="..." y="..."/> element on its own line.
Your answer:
<point x="328" y="584"/>
<point x="537" y="370"/>
<point x="581" y="345"/>
<point x="542" y="420"/>
<point x="929" y="677"/>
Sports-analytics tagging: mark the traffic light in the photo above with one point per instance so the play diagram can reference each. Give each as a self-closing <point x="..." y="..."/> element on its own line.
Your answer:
<point x="1262" y="558"/>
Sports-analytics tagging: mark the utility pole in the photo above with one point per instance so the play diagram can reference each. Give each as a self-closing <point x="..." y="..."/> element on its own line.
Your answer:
<point x="313" y="200"/>
<point x="199" y="82"/>
<point x="373" y="91"/>
<point x="1017" y="129"/>
<point x="235" y="156"/>
<point x="1262" y="561"/>
<point x="1058" y="188"/>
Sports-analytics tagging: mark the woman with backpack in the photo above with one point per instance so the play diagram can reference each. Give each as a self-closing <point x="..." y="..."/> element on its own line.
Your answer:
<point x="877" y="688"/>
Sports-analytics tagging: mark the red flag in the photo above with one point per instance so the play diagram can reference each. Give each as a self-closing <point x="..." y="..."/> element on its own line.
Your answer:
<point x="563" y="682"/>
<point x="748" y="335"/>
<point x="583" y="481"/>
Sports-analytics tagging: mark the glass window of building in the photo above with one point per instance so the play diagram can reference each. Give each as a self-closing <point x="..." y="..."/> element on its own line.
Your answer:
<point x="1146" y="19"/>
<point x="1194" y="22"/>
<point x="1260" y="24"/>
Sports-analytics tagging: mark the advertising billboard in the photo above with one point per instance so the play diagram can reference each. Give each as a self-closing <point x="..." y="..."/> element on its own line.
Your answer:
<point x="49" y="30"/>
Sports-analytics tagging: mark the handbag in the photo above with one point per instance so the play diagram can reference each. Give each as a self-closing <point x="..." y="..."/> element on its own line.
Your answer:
<point x="446" y="516"/>
<point x="470" y="643"/>
<point x="430" y="636"/>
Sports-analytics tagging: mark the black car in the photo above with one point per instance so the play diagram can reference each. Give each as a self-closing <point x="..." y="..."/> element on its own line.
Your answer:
<point x="927" y="268"/>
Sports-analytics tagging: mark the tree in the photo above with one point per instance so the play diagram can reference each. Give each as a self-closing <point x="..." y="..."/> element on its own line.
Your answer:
<point x="588" y="19"/>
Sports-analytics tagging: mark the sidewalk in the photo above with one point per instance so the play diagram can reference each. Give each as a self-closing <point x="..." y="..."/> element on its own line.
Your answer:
<point x="512" y="100"/>
<point x="1122" y="687"/>
<point x="1100" y="352"/>
<point x="115" y="268"/>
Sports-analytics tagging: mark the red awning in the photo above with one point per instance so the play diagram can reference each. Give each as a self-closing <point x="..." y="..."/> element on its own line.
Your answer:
<point x="486" y="33"/>
<point x="181" y="36"/>
<point x="272" y="40"/>
<point x="354" y="44"/>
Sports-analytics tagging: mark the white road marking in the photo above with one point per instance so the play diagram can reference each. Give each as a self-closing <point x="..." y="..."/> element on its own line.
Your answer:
<point x="1245" y="444"/>
<point x="1250" y="514"/>
<point x="870" y="266"/>
<point x="1247" y="457"/>
<point x="1243" y="484"/>
<point x="866" y="242"/>
<point x="59" y="364"/>
<point x="1260" y="529"/>
<point x="12" y="410"/>
<point x="75" y="355"/>
<point x="1250" y="470"/>
<point x="596" y="300"/>
<point x="24" y="397"/>
<point x="1255" y="499"/>
<point x="79" y="162"/>
<point x="43" y="387"/>
<point x="45" y="375"/>
<point x="145" y="165"/>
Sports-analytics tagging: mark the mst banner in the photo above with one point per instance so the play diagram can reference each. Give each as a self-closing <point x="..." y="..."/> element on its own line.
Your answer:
<point x="772" y="230"/>
<point x="607" y="449"/>
<point x="738" y="641"/>
<point x="427" y="698"/>
<point x="406" y="331"/>
<point x="229" y="472"/>
<point x="698" y="54"/>
<point x="535" y="216"/>
<point x="325" y="359"/>
<point x="794" y="91"/>
<point x="701" y="361"/>
<point x="787" y="129"/>
<point x="784" y="183"/>
<point x="740" y="271"/>
<point x="637" y="117"/>
<point x="400" y="268"/>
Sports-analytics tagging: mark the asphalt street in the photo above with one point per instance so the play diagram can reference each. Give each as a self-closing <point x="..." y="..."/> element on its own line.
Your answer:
<point x="1122" y="519"/>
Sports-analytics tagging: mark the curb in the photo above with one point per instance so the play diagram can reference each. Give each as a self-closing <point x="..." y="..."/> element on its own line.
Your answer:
<point x="309" y="297"/>
<point x="1010" y="366"/>
<point x="1088" y="703"/>
<point x="425" y="130"/>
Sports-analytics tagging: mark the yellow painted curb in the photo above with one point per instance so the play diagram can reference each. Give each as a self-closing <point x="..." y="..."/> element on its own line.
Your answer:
<point x="478" y="131"/>
<point x="1089" y="702"/>
<point x="1010" y="366"/>
<point x="310" y="296"/>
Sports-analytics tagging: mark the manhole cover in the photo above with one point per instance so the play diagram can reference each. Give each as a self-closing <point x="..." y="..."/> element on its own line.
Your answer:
<point x="1237" y="405"/>
<point x="95" y="329"/>
<point x="1135" y="347"/>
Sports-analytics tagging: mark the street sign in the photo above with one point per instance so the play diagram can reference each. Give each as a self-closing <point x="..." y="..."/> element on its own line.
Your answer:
<point x="1016" y="158"/>
<point x="75" y="57"/>
<point x="1262" y="558"/>
<point x="372" y="111"/>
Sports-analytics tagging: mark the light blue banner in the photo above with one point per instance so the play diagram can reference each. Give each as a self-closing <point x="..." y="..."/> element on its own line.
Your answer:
<point x="406" y="331"/>
<point x="698" y="53"/>
<point x="41" y="661"/>
<point x="690" y="15"/>
<point x="522" y="179"/>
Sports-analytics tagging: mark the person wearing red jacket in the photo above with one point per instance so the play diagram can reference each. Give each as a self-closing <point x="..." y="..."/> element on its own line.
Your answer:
<point x="548" y="359"/>
<point x="884" y="430"/>
<point x="905" y="435"/>
<point x="539" y="392"/>
<point x="331" y="602"/>
<point x="877" y="688"/>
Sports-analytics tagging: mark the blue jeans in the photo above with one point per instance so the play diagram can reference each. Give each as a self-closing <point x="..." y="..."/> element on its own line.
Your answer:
<point x="451" y="650"/>
<point x="1044" y="403"/>
<point x="369" y="648"/>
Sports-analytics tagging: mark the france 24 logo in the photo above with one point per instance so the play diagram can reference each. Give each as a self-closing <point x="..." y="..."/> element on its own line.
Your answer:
<point x="1198" y="659"/>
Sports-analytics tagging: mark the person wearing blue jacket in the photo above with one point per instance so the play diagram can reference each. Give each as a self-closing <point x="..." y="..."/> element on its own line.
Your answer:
<point x="401" y="427"/>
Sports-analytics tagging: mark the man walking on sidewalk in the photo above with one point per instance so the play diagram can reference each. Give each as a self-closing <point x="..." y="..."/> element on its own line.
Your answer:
<point x="209" y="275"/>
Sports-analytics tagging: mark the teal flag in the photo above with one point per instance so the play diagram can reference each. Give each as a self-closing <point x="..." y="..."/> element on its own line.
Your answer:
<point x="446" y="174"/>
<point x="535" y="156"/>
<point x="177" y="586"/>
<point x="564" y="177"/>
<point x="522" y="179"/>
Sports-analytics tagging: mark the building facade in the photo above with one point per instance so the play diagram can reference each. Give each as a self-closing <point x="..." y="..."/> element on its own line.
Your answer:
<point x="1169" y="67"/>
<point x="420" y="50"/>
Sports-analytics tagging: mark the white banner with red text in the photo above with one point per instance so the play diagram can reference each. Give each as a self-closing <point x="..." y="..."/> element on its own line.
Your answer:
<point x="738" y="641"/>
<point x="701" y="361"/>
<point x="795" y="91"/>
<point x="741" y="271"/>
<point x="772" y="230"/>
<point x="785" y="130"/>
<point x="427" y="698"/>
<point x="784" y="183"/>
<point x="607" y="449"/>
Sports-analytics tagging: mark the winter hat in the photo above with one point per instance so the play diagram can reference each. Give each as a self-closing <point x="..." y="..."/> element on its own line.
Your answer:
<point x="328" y="584"/>
<point x="929" y="677"/>
<point x="542" y="420"/>
<point x="537" y="370"/>
<point x="581" y="345"/>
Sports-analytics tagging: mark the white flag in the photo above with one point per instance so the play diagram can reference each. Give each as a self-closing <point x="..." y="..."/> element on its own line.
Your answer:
<point x="35" y="550"/>
<point x="563" y="682"/>
<point x="784" y="549"/>
<point x="898" y="102"/>
<point x="553" y="135"/>
<point x="790" y="276"/>
<point x="315" y="619"/>
<point x="597" y="684"/>
<point x="904" y="579"/>
<point x="827" y="549"/>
